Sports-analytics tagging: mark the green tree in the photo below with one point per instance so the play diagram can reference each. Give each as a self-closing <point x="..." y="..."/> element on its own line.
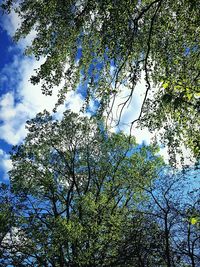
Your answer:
<point x="78" y="189"/>
<point x="5" y="211"/>
<point x="82" y="196"/>
<point x="8" y="212"/>
<point x="157" y="37"/>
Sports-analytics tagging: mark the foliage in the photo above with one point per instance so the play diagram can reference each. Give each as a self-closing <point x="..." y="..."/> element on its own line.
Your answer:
<point x="5" y="212"/>
<point x="82" y="40"/>
<point x="82" y="196"/>
<point x="9" y="207"/>
<point x="78" y="186"/>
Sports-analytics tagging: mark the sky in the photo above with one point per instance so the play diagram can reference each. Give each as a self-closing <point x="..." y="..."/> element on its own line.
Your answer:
<point x="21" y="101"/>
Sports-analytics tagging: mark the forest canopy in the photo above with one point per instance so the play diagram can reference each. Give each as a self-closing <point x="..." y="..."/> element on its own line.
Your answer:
<point x="83" y="40"/>
<point x="80" y="196"/>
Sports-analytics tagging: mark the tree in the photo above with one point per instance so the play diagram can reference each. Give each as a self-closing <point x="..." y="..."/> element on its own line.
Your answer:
<point x="174" y="209"/>
<point x="82" y="196"/>
<point x="188" y="247"/>
<point x="143" y="243"/>
<point x="78" y="189"/>
<point x="8" y="211"/>
<point x="157" y="37"/>
<point x="5" y="212"/>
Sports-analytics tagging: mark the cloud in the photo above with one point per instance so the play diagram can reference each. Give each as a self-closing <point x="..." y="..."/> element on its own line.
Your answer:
<point x="129" y="112"/>
<point x="5" y="163"/>
<point x="11" y="23"/>
<point x="26" y="100"/>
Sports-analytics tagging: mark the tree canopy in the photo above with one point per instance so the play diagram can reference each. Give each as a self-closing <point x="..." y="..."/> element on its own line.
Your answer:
<point x="82" y="41"/>
<point x="80" y="195"/>
<point x="78" y="187"/>
<point x="84" y="197"/>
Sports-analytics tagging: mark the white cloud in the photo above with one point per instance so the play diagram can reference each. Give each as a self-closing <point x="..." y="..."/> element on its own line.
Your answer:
<point x="30" y="101"/>
<point x="142" y="135"/>
<point x="5" y="163"/>
<point x="11" y="23"/>
<point x="6" y="106"/>
<point x="130" y="112"/>
<point x="1" y="152"/>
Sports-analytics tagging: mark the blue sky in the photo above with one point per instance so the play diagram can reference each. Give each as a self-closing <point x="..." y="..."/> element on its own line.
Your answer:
<point x="20" y="100"/>
<point x="5" y="57"/>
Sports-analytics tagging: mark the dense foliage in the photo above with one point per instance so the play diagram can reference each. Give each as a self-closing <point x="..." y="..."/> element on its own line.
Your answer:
<point x="83" y="40"/>
<point x="81" y="196"/>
